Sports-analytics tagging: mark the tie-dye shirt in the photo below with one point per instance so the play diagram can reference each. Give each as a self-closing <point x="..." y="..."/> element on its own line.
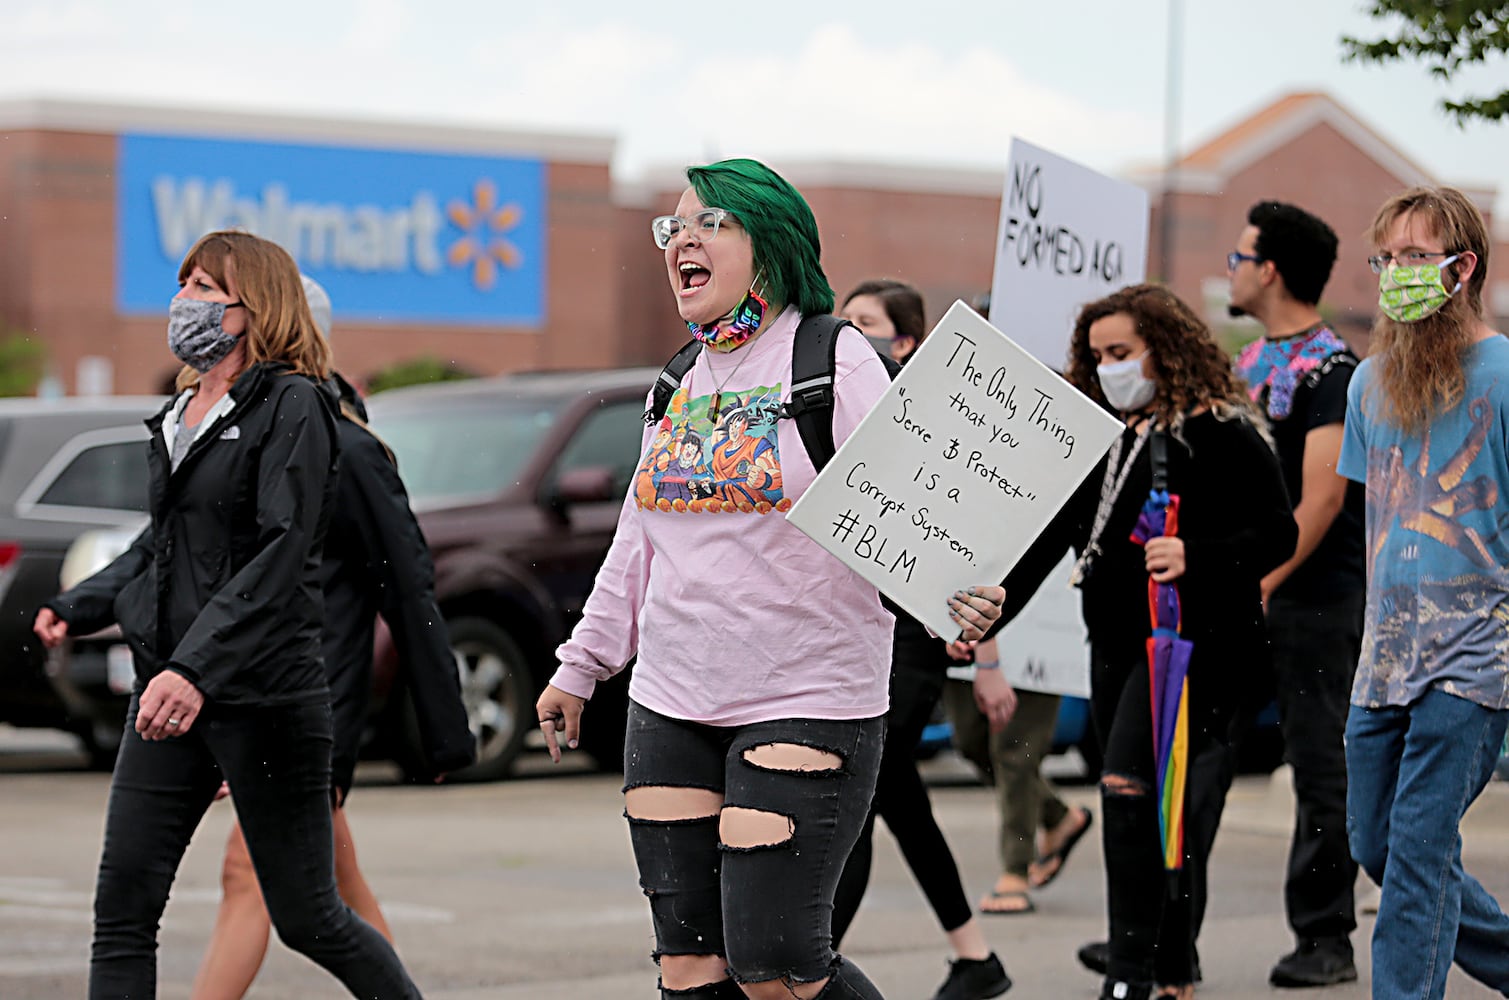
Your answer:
<point x="1438" y="550"/>
<point x="735" y="615"/>
<point x="1275" y="367"/>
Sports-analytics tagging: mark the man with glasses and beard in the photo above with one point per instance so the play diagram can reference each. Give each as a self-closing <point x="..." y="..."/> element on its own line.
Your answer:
<point x="1298" y="372"/>
<point x="1426" y="433"/>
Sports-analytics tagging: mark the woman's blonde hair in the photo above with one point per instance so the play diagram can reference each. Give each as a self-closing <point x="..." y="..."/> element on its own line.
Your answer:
<point x="279" y="326"/>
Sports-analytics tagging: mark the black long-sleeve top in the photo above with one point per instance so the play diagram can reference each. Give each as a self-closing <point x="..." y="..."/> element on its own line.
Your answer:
<point x="1237" y="526"/>
<point x="376" y="561"/>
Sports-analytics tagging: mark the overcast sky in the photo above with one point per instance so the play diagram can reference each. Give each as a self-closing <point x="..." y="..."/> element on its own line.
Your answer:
<point x="937" y="81"/>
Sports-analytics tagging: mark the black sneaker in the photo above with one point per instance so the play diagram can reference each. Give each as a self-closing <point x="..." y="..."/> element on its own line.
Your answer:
<point x="1315" y="963"/>
<point x="974" y="979"/>
<point x="1096" y="956"/>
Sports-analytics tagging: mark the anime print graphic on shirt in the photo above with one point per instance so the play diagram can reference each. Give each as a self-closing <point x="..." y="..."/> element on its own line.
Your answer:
<point x="700" y="465"/>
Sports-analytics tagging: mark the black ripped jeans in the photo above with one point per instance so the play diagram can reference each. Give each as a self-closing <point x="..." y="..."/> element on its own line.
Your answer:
<point x="1155" y="914"/>
<point x="277" y="762"/>
<point x="768" y="910"/>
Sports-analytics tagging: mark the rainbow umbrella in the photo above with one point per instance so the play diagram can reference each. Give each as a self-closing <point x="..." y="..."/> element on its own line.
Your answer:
<point x="1168" y="671"/>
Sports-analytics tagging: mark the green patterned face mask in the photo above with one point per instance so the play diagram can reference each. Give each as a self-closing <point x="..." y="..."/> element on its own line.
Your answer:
<point x="1407" y="294"/>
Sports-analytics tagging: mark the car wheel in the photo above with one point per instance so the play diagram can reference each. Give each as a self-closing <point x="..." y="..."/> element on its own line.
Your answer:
<point x="498" y="693"/>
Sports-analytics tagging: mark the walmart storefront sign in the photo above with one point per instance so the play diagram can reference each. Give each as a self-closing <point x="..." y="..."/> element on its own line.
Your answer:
<point x="393" y="236"/>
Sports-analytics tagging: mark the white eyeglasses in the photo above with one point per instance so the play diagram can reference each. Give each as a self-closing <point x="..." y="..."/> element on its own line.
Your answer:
<point x="702" y="226"/>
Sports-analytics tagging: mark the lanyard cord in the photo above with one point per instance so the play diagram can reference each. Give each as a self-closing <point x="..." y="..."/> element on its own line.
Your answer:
<point x="1110" y="489"/>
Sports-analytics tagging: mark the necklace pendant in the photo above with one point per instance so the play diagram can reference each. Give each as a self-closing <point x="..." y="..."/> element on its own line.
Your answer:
<point x="715" y="406"/>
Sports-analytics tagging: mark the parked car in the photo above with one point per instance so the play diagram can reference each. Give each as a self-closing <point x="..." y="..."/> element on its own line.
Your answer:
<point x="66" y="467"/>
<point x="517" y="482"/>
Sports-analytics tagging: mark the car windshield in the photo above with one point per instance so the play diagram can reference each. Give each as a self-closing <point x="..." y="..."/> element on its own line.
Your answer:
<point x="463" y="448"/>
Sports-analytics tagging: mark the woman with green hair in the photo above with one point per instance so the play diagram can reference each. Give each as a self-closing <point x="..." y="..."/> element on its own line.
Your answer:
<point x="758" y="699"/>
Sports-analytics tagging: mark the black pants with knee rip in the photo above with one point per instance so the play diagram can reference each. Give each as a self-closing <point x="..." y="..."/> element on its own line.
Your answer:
<point x="766" y="909"/>
<point x="1155" y="914"/>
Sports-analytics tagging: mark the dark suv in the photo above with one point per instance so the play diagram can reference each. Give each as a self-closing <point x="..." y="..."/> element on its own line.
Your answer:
<point x="517" y="482"/>
<point x="66" y="466"/>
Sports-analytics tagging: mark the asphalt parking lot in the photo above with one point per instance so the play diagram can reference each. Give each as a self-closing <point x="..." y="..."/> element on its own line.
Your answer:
<point x="527" y="889"/>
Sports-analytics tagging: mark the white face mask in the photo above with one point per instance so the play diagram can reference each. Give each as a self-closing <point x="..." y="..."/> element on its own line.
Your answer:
<point x="1124" y="385"/>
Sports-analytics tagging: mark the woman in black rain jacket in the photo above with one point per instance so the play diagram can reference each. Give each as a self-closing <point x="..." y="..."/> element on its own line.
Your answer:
<point x="220" y="599"/>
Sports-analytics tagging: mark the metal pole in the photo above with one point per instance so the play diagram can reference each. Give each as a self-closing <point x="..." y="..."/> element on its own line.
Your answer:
<point x="1171" y="102"/>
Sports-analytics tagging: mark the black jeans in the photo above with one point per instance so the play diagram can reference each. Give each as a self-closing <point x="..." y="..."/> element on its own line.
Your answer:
<point x="918" y="668"/>
<point x="1315" y="650"/>
<point x="768" y="909"/>
<point x="1155" y="915"/>
<point x="277" y="762"/>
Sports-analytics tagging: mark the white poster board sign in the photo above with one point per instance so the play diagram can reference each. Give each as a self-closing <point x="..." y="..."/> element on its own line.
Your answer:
<point x="1067" y="236"/>
<point x="956" y="470"/>
<point x="1045" y="647"/>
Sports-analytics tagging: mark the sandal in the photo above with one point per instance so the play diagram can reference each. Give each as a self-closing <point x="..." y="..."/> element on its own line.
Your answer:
<point x="1027" y="905"/>
<point x="1061" y="855"/>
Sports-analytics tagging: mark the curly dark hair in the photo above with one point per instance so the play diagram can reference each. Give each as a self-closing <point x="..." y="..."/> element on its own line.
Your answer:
<point x="1189" y="366"/>
<point x="1301" y="246"/>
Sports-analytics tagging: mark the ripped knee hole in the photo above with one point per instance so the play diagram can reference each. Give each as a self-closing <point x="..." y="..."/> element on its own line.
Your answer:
<point x="1120" y="784"/>
<point x="743" y="829"/>
<point x="792" y="757"/>
<point x="671" y="803"/>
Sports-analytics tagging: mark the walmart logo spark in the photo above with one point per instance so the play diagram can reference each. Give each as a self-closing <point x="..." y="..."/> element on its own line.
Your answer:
<point x="484" y="247"/>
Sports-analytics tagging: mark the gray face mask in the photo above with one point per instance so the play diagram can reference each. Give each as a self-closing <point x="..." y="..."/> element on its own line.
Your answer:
<point x="195" y="335"/>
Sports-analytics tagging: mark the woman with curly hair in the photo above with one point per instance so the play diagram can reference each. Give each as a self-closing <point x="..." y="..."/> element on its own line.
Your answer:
<point x="1144" y="354"/>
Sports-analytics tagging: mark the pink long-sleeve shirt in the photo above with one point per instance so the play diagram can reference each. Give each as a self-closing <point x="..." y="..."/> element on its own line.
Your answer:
<point x="736" y="616"/>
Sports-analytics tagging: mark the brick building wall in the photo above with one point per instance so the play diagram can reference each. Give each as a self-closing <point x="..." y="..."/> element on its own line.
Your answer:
<point x="58" y="267"/>
<point x="607" y="300"/>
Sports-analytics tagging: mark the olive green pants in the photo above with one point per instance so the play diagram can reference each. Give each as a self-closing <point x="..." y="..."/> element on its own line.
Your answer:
<point x="1012" y="760"/>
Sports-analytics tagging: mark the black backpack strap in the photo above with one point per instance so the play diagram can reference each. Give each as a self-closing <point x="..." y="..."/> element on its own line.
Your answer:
<point x="1339" y="359"/>
<point x="670" y="380"/>
<point x="814" y="359"/>
<point x="1158" y="451"/>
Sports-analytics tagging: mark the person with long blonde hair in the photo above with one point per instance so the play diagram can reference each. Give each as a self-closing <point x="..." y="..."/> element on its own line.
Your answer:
<point x="1425" y="432"/>
<point x="220" y="600"/>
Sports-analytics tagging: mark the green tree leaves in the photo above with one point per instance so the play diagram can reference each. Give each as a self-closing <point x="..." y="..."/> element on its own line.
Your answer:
<point x="1445" y="35"/>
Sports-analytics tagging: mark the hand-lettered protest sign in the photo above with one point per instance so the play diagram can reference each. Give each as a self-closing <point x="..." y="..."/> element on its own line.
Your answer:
<point x="1068" y="235"/>
<point x="956" y="470"/>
